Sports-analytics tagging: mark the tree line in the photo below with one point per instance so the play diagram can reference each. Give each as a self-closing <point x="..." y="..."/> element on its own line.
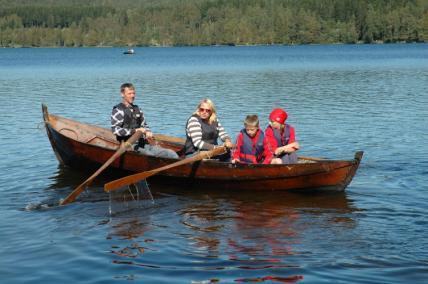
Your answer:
<point x="74" y="23"/>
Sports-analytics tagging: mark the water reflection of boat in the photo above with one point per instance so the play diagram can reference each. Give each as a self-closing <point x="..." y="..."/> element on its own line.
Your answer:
<point x="78" y="145"/>
<point x="255" y="202"/>
<point x="253" y="233"/>
<point x="129" y="51"/>
<point x="258" y="230"/>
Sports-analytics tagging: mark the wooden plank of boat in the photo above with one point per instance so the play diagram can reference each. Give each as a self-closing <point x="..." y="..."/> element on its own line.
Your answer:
<point x="78" y="144"/>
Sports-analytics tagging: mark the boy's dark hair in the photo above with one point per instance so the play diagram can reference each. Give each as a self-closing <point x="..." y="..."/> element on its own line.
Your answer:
<point x="126" y="85"/>
<point x="252" y="120"/>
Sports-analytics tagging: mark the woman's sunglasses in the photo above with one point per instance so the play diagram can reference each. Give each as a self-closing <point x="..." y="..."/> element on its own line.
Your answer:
<point x="201" y="109"/>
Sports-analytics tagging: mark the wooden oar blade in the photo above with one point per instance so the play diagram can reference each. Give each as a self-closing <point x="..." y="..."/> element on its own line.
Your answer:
<point x="74" y="194"/>
<point x="125" y="181"/>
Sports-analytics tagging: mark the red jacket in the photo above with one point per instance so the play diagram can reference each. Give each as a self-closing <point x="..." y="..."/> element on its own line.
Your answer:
<point x="272" y="143"/>
<point x="267" y="154"/>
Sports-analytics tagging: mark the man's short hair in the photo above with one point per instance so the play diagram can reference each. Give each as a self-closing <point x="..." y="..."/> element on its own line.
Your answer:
<point x="252" y="120"/>
<point x="126" y="85"/>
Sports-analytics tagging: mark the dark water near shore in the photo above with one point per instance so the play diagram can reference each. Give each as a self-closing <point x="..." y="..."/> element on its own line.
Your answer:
<point x="339" y="98"/>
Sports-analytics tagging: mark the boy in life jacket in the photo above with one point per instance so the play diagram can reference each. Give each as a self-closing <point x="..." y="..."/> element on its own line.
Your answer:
<point x="251" y="145"/>
<point x="281" y="138"/>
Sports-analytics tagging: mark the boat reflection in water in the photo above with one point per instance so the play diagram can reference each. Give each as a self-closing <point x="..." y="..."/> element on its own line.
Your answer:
<point x="244" y="231"/>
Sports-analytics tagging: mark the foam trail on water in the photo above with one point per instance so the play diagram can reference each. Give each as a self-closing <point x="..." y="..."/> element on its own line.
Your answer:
<point x="42" y="205"/>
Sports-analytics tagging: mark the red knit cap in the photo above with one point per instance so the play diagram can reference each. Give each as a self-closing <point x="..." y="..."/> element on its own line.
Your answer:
<point x="278" y="115"/>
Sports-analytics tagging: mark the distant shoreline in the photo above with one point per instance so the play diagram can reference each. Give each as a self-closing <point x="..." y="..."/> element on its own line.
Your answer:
<point x="216" y="45"/>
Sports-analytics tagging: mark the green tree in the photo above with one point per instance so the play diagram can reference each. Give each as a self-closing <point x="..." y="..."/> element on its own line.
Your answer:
<point x="205" y="22"/>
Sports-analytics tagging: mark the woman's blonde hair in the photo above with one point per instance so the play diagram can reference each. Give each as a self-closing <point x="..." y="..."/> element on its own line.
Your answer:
<point x="213" y="116"/>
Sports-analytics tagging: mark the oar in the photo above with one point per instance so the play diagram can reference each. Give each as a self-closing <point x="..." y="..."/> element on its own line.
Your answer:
<point x="122" y="149"/>
<point x="113" y="185"/>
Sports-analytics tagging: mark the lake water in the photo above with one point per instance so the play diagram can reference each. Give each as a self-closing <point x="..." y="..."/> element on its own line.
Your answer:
<point x="340" y="98"/>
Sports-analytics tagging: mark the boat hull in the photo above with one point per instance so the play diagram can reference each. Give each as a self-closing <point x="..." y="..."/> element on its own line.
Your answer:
<point x="83" y="146"/>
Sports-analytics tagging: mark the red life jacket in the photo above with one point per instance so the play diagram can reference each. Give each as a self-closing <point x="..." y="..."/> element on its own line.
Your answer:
<point x="282" y="140"/>
<point x="250" y="152"/>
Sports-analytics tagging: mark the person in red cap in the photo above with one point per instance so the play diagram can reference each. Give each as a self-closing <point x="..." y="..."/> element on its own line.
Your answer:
<point x="281" y="138"/>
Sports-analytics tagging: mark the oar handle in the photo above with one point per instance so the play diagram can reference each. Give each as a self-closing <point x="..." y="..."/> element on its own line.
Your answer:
<point x="134" y="138"/>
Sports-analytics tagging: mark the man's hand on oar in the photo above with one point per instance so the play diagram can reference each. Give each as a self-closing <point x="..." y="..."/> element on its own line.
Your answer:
<point x="122" y="149"/>
<point x="113" y="185"/>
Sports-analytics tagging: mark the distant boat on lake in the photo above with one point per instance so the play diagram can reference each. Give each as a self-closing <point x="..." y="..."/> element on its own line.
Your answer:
<point x="129" y="51"/>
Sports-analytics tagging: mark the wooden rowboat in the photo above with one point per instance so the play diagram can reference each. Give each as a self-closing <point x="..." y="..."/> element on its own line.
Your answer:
<point x="82" y="145"/>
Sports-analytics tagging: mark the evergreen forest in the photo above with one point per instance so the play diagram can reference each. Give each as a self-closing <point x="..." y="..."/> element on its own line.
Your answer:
<point x="76" y="23"/>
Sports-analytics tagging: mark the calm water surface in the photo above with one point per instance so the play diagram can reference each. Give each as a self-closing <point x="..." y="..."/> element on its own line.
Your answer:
<point x="339" y="98"/>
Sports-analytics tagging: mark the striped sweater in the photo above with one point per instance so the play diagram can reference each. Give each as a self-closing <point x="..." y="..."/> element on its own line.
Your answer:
<point x="194" y="131"/>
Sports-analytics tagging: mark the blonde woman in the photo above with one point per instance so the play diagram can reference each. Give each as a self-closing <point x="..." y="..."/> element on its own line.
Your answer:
<point x="203" y="130"/>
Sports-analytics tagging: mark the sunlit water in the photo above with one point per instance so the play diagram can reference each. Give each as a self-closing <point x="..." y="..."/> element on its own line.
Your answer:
<point x="339" y="98"/>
